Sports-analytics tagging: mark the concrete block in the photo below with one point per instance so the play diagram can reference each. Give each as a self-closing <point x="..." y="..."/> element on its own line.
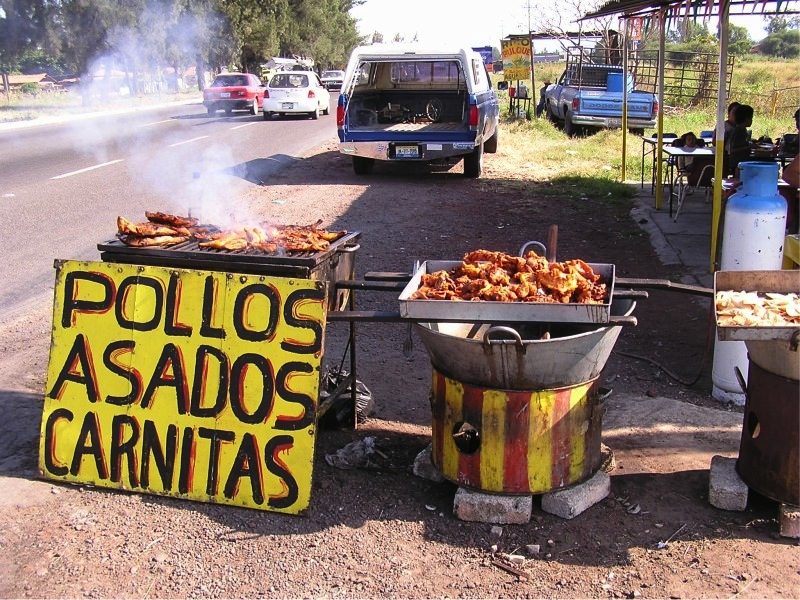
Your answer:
<point x="726" y="490"/>
<point x="572" y="501"/>
<point x="480" y="507"/>
<point x="424" y="467"/>
<point x="789" y="521"/>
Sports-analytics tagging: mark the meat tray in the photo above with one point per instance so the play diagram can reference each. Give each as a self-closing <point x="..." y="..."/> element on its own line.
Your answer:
<point x="781" y="282"/>
<point x="494" y="312"/>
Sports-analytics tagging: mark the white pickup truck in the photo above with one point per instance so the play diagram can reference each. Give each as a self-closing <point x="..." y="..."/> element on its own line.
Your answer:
<point x="407" y="103"/>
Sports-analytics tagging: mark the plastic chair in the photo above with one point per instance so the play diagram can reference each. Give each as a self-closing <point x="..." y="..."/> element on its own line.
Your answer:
<point x="699" y="176"/>
<point x="706" y="133"/>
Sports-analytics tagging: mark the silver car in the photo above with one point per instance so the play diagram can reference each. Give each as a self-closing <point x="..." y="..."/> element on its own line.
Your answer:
<point x="332" y="80"/>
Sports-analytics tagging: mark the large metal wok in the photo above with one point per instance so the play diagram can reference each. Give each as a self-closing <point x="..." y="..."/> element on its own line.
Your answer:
<point x="514" y="356"/>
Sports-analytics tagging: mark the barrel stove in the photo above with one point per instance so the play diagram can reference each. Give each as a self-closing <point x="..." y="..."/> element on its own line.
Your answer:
<point x="769" y="451"/>
<point x="515" y="408"/>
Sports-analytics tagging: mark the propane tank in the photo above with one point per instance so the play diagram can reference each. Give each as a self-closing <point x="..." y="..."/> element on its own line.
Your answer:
<point x="752" y="240"/>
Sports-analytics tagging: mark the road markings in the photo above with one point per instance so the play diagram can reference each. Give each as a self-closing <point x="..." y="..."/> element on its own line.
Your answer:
<point x="202" y="137"/>
<point x="92" y="168"/>
<point x="157" y="123"/>
<point x="243" y="125"/>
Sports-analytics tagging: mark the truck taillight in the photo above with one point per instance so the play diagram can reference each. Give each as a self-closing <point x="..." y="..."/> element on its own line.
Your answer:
<point x="266" y="94"/>
<point x="311" y="94"/>
<point x="340" y="116"/>
<point x="473" y="116"/>
<point x="575" y="104"/>
<point x="655" y="107"/>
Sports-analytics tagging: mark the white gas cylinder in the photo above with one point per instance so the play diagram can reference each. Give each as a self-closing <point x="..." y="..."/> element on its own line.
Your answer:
<point x="753" y="232"/>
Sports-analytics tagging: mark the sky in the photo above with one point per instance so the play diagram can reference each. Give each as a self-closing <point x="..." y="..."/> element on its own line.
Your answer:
<point x="472" y="22"/>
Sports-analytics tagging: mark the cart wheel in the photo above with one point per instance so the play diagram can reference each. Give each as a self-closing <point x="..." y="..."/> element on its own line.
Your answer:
<point x="434" y="109"/>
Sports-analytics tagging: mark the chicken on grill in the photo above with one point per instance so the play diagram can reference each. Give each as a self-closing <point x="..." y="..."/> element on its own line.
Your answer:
<point x="162" y="229"/>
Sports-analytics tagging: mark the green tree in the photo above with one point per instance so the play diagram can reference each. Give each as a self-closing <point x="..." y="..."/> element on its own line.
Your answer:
<point x="780" y="23"/>
<point x="739" y="42"/>
<point x="22" y="27"/>
<point x="783" y="44"/>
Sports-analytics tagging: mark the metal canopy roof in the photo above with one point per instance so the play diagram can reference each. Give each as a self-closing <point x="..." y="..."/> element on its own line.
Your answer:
<point x="693" y="8"/>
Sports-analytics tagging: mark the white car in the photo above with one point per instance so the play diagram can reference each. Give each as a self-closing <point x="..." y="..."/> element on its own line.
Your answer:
<point x="296" y="92"/>
<point x="332" y="80"/>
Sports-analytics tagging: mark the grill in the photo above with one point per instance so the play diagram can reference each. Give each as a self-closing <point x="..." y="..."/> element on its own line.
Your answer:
<point x="336" y="263"/>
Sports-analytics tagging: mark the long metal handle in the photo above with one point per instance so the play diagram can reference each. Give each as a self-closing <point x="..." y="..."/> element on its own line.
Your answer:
<point x="664" y="284"/>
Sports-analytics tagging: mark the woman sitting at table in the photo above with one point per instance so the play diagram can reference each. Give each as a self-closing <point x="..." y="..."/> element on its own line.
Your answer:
<point x="791" y="173"/>
<point x="739" y="140"/>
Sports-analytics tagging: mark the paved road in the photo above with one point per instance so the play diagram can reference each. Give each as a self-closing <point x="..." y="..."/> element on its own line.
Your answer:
<point x="63" y="184"/>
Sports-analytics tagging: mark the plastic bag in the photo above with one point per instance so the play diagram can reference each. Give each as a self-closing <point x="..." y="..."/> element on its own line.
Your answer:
<point x="340" y="414"/>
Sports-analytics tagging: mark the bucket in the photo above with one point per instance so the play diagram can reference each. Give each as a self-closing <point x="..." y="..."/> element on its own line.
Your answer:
<point x="514" y="442"/>
<point x="614" y="82"/>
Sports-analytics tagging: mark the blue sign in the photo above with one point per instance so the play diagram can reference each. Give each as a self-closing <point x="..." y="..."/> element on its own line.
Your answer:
<point x="486" y="54"/>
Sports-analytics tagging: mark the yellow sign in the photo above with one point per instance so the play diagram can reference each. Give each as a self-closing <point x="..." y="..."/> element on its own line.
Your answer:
<point x="516" y="59"/>
<point x="195" y="384"/>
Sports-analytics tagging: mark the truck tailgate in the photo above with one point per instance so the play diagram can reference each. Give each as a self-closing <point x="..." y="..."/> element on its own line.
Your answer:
<point x="607" y="104"/>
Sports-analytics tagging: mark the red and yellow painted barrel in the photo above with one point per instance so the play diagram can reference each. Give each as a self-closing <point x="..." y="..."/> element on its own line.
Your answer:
<point x="514" y="442"/>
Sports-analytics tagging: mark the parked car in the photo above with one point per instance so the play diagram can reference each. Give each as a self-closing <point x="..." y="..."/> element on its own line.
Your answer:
<point x="296" y="92"/>
<point x="234" y="91"/>
<point x="332" y="80"/>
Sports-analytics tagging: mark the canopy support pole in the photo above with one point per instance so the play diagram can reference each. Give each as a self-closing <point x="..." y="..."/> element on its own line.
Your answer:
<point x="659" y="166"/>
<point x="719" y="137"/>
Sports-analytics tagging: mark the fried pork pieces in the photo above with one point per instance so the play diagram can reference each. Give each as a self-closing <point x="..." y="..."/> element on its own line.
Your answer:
<point x="162" y="229"/>
<point x="494" y="276"/>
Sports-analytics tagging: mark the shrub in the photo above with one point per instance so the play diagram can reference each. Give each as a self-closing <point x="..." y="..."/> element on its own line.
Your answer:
<point x="31" y="88"/>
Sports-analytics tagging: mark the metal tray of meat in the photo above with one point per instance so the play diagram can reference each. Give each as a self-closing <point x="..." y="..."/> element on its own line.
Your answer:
<point x="781" y="282"/>
<point x="494" y="312"/>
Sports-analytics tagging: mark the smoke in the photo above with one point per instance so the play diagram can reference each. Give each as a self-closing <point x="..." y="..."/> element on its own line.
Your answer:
<point x="170" y="159"/>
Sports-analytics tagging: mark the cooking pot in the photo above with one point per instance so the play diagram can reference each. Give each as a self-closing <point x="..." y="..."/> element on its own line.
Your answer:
<point x="779" y="357"/>
<point x="528" y="356"/>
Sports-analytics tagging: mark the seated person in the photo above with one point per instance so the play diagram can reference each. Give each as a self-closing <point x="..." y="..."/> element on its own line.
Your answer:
<point x="740" y="139"/>
<point x="687" y="140"/>
<point x="790" y="142"/>
<point x="729" y="125"/>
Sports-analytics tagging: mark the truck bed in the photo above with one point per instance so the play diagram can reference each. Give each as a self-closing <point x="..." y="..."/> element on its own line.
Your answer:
<point x="408" y="127"/>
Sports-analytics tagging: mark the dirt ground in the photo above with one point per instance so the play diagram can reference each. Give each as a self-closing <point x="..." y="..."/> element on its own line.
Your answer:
<point x="384" y="532"/>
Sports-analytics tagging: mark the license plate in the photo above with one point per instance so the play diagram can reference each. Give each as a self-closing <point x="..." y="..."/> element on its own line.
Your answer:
<point x="225" y="95"/>
<point x="406" y="152"/>
<point x="615" y="122"/>
<point x="287" y="105"/>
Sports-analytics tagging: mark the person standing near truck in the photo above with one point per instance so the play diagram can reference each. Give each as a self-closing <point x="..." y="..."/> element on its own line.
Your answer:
<point x="541" y="105"/>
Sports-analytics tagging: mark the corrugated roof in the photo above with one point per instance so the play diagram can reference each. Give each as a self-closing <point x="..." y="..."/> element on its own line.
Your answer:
<point x="694" y="8"/>
<point x="37" y="78"/>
